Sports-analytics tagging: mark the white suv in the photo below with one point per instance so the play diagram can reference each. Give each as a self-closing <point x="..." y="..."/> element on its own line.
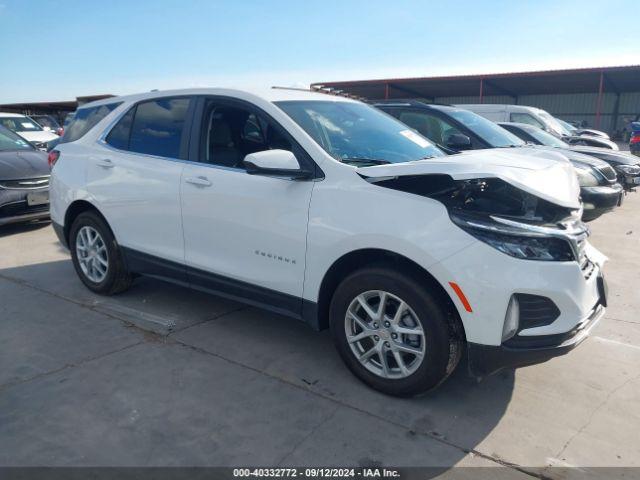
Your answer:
<point x="328" y="210"/>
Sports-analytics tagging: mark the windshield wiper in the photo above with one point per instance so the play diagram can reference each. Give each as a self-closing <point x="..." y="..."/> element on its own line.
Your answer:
<point x="363" y="161"/>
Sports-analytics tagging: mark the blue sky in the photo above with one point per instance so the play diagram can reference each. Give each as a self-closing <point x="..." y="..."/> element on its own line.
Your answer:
<point x="57" y="49"/>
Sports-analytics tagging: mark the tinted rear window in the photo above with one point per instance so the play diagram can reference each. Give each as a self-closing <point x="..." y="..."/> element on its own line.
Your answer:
<point x="119" y="136"/>
<point x="157" y="127"/>
<point x="85" y="119"/>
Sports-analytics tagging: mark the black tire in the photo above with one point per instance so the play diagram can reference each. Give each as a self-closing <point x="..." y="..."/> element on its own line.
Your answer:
<point x="443" y="340"/>
<point x="118" y="278"/>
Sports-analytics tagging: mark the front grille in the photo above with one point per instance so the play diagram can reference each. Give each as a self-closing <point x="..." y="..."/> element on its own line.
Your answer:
<point x="536" y="311"/>
<point x="25" y="183"/>
<point x="21" y="208"/>
<point x="608" y="172"/>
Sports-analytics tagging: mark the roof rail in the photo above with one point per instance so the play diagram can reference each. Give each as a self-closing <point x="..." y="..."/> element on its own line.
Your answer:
<point x="299" y="89"/>
<point x="336" y="91"/>
<point x="325" y="90"/>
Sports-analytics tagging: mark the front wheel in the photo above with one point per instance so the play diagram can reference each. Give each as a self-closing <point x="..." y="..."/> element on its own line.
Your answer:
<point x="392" y="333"/>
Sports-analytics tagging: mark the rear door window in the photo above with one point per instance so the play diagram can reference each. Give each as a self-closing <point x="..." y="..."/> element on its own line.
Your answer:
<point x="158" y="126"/>
<point x="85" y="119"/>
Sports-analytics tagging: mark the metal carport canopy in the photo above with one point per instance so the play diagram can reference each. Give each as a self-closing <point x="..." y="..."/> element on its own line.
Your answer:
<point x="585" y="80"/>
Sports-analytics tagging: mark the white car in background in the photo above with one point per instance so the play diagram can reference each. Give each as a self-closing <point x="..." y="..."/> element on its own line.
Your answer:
<point x="538" y="118"/>
<point x="28" y="129"/>
<point x="328" y="210"/>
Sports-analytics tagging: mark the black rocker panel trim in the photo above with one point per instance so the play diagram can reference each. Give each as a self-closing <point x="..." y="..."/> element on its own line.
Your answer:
<point x="278" y="302"/>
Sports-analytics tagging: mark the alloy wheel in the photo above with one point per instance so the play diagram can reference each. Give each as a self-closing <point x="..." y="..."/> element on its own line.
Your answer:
<point x="92" y="254"/>
<point x="385" y="334"/>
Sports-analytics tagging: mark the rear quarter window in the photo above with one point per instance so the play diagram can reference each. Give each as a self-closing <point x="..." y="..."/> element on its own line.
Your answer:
<point x="85" y="119"/>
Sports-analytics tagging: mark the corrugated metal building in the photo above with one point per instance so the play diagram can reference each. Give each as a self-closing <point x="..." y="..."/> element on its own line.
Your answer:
<point x="58" y="109"/>
<point x="602" y="97"/>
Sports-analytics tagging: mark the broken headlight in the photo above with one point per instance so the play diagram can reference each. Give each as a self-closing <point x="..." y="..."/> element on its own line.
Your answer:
<point x="518" y="243"/>
<point x="515" y="222"/>
<point x="503" y="216"/>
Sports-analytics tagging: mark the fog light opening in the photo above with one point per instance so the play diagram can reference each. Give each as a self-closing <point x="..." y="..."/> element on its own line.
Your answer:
<point x="511" y="319"/>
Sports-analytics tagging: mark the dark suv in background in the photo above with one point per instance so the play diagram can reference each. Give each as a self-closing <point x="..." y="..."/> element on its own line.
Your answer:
<point x="455" y="129"/>
<point x="626" y="166"/>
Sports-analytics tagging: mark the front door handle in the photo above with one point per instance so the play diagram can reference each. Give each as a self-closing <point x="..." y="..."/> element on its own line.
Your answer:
<point x="105" y="163"/>
<point x="198" y="181"/>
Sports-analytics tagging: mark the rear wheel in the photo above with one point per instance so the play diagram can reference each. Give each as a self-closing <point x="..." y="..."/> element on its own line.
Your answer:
<point x="96" y="256"/>
<point x="392" y="333"/>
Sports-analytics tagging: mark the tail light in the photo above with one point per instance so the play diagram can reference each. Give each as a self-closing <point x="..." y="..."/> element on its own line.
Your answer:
<point x="60" y="131"/>
<point x="53" y="157"/>
<point x="635" y="138"/>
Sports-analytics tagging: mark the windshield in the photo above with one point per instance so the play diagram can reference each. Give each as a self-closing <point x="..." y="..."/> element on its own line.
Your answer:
<point x="9" y="141"/>
<point x="46" y="121"/>
<point x="493" y="134"/>
<point x="20" y="124"/>
<point x="554" y="123"/>
<point x="570" y="128"/>
<point x="545" y="138"/>
<point x="358" y="134"/>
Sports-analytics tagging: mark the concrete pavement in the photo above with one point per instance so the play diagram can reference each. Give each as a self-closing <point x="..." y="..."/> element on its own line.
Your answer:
<point x="162" y="375"/>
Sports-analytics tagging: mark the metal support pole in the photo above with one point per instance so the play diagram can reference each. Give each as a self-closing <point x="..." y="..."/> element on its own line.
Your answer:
<point x="481" y="88"/>
<point x="386" y="91"/>
<point x="614" y="116"/>
<point x="599" y="104"/>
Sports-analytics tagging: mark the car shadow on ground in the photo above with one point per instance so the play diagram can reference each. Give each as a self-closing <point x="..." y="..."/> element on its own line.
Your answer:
<point x="17" y="228"/>
<point x="456" y="417"/>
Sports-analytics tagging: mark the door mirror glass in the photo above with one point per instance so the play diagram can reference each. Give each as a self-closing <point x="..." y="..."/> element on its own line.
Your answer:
<point x="275" y="163"/>
<point x="459" y="141"/>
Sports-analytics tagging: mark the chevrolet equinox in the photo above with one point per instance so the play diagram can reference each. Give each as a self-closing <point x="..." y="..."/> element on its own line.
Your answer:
<point x="328" y="210"/>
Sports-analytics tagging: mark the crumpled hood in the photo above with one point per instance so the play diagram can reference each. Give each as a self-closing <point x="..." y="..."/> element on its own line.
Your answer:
<point x="545" y="174"/>
<point x="16" y="165"/>
<point x="595" y="133"/>
<point x="595" y="141"/>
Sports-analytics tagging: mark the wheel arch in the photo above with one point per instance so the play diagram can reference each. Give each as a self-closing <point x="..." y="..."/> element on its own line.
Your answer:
<point x="357" y="259"/>
<point x="76" y="208"/>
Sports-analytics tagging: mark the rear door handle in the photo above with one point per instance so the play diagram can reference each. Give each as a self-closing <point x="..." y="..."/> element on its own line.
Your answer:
<point x="105" y="163"/>
<point x="198" y="181"/>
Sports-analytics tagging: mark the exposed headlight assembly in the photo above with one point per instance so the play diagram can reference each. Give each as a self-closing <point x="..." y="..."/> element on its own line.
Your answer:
<point x="505" y="217"/>
<point x="629" y="169"/>
<point x="530" y="228"/>
<point x="528" y="242"/>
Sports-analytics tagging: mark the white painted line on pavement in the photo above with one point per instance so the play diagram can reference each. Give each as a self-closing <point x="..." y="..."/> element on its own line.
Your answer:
<point x="616" y="342"/>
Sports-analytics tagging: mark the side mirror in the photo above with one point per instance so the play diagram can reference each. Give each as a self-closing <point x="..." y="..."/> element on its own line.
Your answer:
<point x="458" y="141"/>
<point x="275" y="163"/>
